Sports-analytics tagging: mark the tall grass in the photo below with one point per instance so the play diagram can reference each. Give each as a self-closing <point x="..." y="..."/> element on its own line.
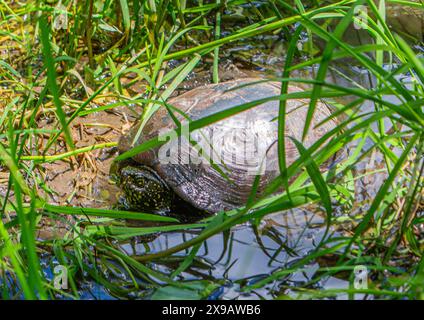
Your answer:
<point x="141" y="38"/>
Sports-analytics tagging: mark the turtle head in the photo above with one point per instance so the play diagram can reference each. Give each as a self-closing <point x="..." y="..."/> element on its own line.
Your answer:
<point x="144" y="190"/>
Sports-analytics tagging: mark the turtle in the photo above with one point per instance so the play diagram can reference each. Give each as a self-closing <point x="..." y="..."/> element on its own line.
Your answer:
<point x="213" y="168"/>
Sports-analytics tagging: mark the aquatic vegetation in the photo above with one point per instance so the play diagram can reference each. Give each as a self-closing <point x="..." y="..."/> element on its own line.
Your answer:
<point x="74" y="76"/>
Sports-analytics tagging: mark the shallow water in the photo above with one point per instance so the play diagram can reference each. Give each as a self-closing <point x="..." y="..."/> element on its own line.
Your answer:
<point x="234" y="260"/>
<point x="246" y="255"/>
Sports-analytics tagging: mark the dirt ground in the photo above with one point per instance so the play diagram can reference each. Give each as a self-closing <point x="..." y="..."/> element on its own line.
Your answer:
<point x="83" y="180"/>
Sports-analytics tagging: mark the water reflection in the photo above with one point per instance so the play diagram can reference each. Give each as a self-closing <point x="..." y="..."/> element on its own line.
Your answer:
<point x="244" y="254"/>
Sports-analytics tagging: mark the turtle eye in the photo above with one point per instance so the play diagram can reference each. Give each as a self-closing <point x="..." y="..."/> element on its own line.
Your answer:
<point x="140" y="181"/>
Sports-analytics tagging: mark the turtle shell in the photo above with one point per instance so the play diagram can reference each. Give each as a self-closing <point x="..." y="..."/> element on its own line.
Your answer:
<point x="216" y="169"/>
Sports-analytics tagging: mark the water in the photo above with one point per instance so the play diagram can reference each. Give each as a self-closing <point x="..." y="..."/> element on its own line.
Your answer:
<point x="245" y="254"/>
<point x="232" y="260"/>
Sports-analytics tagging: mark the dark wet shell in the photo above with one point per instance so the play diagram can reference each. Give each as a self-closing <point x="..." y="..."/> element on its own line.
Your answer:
<point x="239" y="139"/>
